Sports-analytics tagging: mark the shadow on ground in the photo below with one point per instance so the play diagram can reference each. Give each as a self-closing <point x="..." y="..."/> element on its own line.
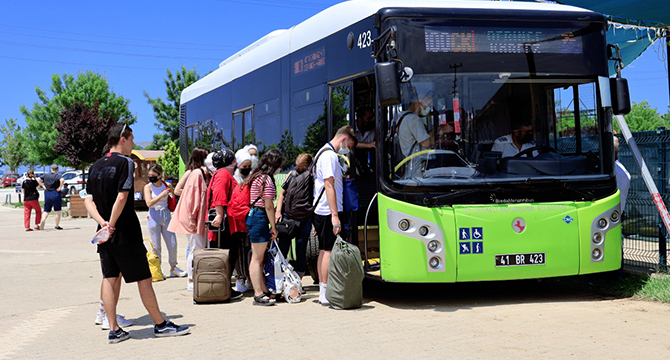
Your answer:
<point x="452" y="297"/>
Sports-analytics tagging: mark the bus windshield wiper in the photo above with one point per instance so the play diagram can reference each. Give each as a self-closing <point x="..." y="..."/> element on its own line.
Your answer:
<point x="434" y="200"/>
<point x="565" y="185"/>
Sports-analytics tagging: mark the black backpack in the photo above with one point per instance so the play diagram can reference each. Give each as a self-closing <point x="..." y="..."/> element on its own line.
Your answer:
<point x="299" y="198"/>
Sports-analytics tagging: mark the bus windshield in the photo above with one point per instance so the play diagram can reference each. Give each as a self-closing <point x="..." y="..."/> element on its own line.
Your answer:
<point x="489" y="103"/>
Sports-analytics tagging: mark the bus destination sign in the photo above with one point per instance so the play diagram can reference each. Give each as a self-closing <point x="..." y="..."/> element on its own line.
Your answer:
<point x="501" y="40"/>
<point x="311" y="61"/>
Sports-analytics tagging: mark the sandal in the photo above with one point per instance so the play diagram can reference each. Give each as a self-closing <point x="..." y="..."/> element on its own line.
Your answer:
<point x="264" y="300"/>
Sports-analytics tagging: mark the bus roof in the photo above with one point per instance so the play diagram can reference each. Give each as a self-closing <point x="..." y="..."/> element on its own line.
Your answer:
<point x="280" y="43"/>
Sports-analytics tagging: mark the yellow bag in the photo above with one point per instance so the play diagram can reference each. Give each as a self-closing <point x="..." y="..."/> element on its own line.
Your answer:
<point x="154" y="265"/>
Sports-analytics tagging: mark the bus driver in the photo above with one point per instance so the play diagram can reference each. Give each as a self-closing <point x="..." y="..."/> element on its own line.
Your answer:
<point x="519" y="140"/>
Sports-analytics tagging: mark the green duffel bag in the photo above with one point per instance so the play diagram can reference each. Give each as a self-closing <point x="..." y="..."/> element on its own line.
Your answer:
<point x="345" y="276"/>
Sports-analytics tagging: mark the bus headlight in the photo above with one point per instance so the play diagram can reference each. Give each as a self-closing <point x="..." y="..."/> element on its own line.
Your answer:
<point x="602" y="223"/>
<point x="596" y="254"/>
<point x="434" y="262"/>
<point x="433" y="246"/>
<point x="597" y="238"/>
<point x="403" y="224"/>
<point x="423" y="231"/>
<point x="615" y="216"/>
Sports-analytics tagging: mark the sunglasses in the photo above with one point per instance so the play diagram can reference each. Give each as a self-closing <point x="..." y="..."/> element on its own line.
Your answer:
<point x="122" y="130"/>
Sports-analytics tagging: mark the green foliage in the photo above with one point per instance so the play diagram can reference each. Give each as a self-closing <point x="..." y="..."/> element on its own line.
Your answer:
<point x="170" y="160"/>
<point x="167" y="112"/>
<point x="666" y="117"/>
<point x="12" y="145"/>
<point x="89" y="89"/>
<point x="643" y="117"/>
<point x="316" y="135"/>
<point x="288" y="148"/>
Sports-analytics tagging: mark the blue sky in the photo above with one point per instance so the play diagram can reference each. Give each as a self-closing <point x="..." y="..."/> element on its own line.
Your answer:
<point x="132" y="43"/>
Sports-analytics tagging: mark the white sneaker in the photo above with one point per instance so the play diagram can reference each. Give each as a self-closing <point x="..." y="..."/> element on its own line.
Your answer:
<point x="100" y="317"/>
<point x="189" y="287"/>
<point x="177" y="272"/>
<point x="120" y="320"/>
<point x="241" y="285"/>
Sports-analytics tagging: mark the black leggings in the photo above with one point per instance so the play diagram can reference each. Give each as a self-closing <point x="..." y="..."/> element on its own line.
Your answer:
<point x="227" y="242"/>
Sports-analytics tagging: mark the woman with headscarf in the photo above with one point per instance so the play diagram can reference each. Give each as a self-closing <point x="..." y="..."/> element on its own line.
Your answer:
<point x="218" y="193"/>
<point x="253" y="152"/>
<point x="238" y="231"/>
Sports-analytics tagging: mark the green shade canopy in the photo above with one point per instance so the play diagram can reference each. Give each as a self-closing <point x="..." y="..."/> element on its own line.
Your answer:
<point x="636" y="12"/>
<point x="634" y="24"/>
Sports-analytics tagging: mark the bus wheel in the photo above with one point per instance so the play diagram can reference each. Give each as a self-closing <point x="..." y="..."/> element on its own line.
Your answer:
<point x="313" y="256"/>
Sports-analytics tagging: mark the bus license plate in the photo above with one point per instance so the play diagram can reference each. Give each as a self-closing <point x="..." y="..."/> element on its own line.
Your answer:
<point x="521" y="259"/>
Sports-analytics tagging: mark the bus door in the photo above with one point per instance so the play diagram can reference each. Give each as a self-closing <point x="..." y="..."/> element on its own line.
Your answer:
<point x="243" y="127"/>
<point x="340" y="114"/>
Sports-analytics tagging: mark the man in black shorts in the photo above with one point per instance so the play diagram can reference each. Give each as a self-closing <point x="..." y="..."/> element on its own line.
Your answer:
<point x="328" y="175"/>
<point x="110" y="203"/>
<point x="52" y="184"/>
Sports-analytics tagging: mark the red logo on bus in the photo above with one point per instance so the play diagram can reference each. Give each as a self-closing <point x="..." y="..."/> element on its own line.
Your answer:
<point x="519" y="225"/>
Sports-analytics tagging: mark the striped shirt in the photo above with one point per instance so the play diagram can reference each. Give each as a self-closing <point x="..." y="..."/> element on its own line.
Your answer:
<point x="269" y="192"/>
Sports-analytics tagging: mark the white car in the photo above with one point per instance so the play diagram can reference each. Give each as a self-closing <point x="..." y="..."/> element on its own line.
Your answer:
<point x="24" y="176"/>
<point x="73" y="181"/>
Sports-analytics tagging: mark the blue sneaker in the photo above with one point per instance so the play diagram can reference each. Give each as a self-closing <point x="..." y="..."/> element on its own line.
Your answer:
<point x="170" y="329"/>
<point x="117" y="336"/>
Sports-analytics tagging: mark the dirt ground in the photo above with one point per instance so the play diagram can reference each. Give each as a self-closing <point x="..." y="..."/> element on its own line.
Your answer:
<point x="50" y="285"/>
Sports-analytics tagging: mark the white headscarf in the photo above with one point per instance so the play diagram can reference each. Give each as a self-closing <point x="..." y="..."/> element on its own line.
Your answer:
<point x="254" y="158"/>
<point x="208" y="162"/>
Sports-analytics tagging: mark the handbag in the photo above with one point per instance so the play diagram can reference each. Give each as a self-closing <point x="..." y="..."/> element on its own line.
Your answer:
<point x="154" y="264"/>
<point x="172" y="202"/>
<point x="286" y="227"/>
<point x="211" y="213"/>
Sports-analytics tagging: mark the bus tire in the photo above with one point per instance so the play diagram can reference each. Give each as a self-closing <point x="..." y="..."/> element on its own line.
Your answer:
<point x="313" y="256"/>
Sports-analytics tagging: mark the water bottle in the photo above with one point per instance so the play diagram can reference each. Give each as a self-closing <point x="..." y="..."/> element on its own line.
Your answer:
<point x="101" y="236"/>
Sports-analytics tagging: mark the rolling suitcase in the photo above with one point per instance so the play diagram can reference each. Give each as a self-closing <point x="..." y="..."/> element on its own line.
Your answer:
<point x="211" y="274"/>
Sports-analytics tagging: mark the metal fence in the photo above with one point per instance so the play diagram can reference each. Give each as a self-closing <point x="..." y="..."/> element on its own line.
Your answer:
<point x="645" y="237"/>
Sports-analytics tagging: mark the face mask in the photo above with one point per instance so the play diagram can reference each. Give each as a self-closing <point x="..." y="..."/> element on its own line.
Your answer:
<point x="344" y="150"/>
<point x="254" y="161"/>
<point x="153" y="179"/>
<point x="425" y="111"/>
<point x="245" y="172"/>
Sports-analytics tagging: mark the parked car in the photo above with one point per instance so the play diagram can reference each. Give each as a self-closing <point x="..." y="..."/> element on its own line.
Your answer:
<point x="73" y="181"/>
<point x="24" y="176"/>
<point x="9" y="179"/>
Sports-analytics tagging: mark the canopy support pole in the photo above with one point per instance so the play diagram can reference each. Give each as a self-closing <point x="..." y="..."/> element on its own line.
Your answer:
<point x="646" y="175"/>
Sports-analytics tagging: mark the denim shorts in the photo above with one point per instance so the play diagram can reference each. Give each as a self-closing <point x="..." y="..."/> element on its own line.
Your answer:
<point x="258" y="225"/>
<point x="52" y="199"/>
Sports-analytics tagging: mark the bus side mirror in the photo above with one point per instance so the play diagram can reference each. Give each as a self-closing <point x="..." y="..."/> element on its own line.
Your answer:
<point x="388" y="83"/>
<point x="620" y="96"/>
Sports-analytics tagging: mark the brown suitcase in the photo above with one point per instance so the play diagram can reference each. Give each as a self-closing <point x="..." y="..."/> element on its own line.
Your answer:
<point x="211" y="275"/>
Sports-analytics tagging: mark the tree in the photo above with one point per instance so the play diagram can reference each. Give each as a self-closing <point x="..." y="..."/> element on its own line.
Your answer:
<point x="170" y="160"/>
<point x="89" y="89"/>
<point x="642" y="118"/>
<point x="167" y="112"/>
<point x="666" y="117"/>
<point x="82" y="134"/>
<point x="12" y="145"/>
<point x="288" y="148"/>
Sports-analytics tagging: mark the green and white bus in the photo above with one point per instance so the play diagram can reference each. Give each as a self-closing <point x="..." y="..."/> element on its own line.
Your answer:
<point x="456" y="210"/>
